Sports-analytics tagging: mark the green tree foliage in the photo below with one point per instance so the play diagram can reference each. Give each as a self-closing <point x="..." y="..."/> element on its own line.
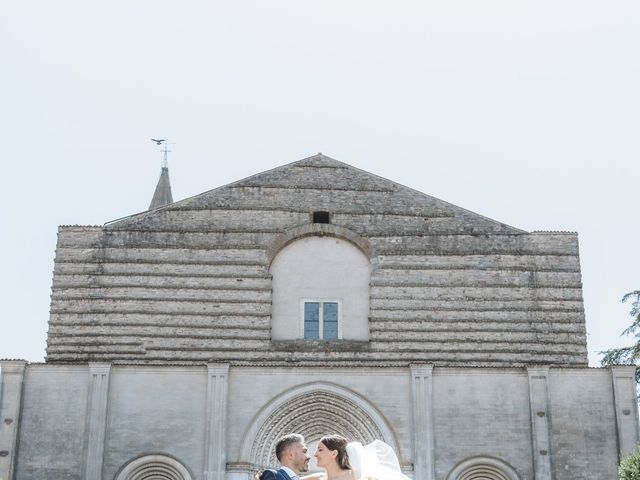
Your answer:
<point x="628" y="355"/>
<point x="629" y="468"/>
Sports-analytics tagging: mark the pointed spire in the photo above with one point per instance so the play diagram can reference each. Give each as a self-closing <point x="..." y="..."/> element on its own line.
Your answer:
<point x="162" y="196"/>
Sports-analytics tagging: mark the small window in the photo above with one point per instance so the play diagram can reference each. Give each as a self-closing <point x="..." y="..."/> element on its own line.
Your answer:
<point x="321" y="320"/>
<point x="321" y="217"/>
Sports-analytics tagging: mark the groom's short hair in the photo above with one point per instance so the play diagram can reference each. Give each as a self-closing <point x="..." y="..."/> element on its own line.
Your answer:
<point x="285" y="442"/>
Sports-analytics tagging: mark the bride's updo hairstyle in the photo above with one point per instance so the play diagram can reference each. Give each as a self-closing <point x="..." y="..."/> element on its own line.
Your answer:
<point x="339" y="443"/>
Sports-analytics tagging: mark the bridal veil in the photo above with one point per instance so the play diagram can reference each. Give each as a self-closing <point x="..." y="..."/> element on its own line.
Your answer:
<point x="375" y="461"/>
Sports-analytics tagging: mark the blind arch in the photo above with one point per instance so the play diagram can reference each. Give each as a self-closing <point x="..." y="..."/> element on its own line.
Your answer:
<point x="154" y="467"/>
<point x="320" y="269"/>
<point x="483" y="468"/>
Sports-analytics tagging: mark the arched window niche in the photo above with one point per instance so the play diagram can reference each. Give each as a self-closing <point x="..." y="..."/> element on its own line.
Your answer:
<point x="320" y="286"/>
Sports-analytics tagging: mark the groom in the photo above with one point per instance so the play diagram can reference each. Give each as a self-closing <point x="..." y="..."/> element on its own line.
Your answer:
<point x="293" y="457"/>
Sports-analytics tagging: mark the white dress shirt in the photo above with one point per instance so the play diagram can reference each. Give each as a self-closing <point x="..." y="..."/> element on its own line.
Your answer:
<point x="291" y="473"/>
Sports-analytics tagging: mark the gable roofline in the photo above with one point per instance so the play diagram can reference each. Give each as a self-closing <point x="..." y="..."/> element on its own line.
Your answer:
<point x="418" y="192"/>
<point x="184" y="200"/>
<point x="318" y="160"/>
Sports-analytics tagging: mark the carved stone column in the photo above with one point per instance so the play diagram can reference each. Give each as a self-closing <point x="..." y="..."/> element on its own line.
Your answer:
<point x="624" y="394"/>
<point x="422" y="410"/>
<point x="540" y="431"/>
<point x="96" y="421"/>
<point x="216" y="426"/>
<point x="11" y="379"/>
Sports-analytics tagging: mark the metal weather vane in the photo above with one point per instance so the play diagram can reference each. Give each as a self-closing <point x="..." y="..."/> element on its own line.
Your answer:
<point x="165" y="150"/>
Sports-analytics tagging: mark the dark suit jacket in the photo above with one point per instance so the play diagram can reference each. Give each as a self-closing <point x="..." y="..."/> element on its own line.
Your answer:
<point x="270" y="474"/>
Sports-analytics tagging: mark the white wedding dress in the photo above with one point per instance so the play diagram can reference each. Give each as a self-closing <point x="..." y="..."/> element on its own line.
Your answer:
<point x="375" y="461"/>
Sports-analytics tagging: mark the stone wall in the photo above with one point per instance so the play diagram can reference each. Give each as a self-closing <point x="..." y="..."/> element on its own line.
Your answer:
<point x="219" y="422"/>
<point x="190" y="282"/>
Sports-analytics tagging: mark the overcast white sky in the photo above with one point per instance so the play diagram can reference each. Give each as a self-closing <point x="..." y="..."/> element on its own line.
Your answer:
<point x="527" y="112"/>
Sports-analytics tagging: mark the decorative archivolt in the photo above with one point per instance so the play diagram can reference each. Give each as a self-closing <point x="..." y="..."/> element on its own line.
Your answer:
<point x="483" y="468"/>
<point x="313" y="410"/>
<point x="154" y="467"/>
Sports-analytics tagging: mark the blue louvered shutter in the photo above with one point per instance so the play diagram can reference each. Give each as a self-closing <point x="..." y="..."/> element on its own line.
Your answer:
<point x="330" y="321"/>
<point x="312" y="320"/>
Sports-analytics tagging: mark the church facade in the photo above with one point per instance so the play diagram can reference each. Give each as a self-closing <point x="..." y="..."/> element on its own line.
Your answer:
<point x="314" y="298"/>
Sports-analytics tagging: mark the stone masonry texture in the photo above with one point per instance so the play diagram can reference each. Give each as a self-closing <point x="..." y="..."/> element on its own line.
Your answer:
<point x="189" y="282"/>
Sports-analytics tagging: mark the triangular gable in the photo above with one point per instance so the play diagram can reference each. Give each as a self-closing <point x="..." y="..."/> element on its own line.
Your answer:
<point x="321" y="183"/>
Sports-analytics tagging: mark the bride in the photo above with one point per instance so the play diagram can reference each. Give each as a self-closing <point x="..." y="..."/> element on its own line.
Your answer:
<point x="344" y="460"/>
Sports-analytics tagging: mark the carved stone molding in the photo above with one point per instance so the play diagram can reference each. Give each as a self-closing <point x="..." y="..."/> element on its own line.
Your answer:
<point x="152" y="467"/>
<point x="313" y="410"/>
<point x="485" y="468"/>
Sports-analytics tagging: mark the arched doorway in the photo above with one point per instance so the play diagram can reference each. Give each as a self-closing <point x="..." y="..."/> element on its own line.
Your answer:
<point x="313" y="410"/>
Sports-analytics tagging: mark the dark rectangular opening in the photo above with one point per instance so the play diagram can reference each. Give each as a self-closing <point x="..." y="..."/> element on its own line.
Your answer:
<point x="321" y="217"/>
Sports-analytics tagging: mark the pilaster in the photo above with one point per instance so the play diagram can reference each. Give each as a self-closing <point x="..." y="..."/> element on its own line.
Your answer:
<point x="216" y="426"/>
<point x="626" y="408"/>
<point x="422" y="414"/>
<point x="11" y="380"/>
<point x="96" y="421"/>
<point x="540" y="428"/>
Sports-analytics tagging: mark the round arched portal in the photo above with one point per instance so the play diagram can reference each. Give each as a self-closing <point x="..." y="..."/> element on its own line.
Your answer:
<point x="313" y="410"/>
<point x="154" y="467"/>
<point x="483" y="468"/>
